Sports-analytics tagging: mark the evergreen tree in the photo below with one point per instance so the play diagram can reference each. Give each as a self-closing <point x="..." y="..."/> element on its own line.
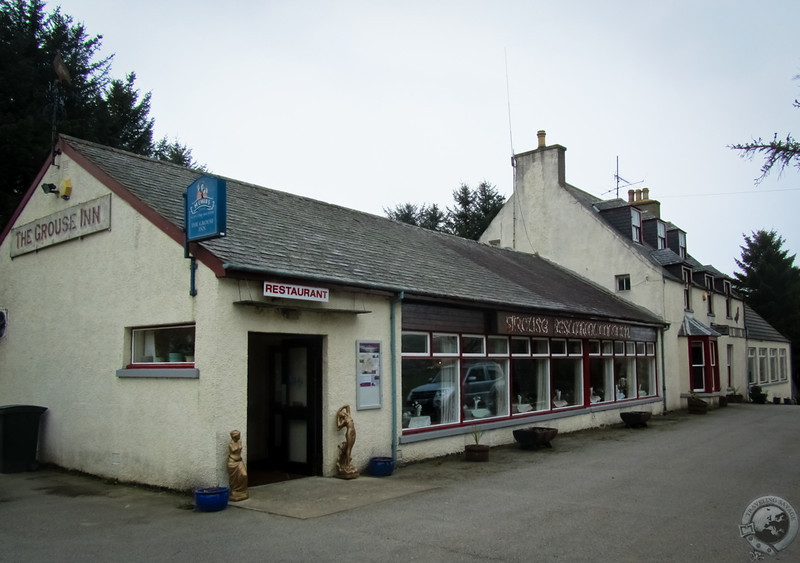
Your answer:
<point x="770" y="283"/>
<point x="53" y="80"/>
<point x="474" y="210"/>
<point x="468" y="218"/>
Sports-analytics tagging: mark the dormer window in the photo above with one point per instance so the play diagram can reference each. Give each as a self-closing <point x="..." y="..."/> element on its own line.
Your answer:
<point x="661" y="228"/>
<point x="636" y="225"/>
<point x="682" y="244"/>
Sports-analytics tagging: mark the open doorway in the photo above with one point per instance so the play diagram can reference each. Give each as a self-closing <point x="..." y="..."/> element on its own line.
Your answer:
<point x="284" y="402"/>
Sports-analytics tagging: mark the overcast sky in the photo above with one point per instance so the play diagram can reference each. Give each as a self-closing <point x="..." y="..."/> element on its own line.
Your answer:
<point x="370" y="104"/>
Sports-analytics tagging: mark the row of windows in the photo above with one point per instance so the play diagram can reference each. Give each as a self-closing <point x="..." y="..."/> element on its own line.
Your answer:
<point x="444" y="344"/>
<point x="449" y="379"/>
<point x="768" y="366"/>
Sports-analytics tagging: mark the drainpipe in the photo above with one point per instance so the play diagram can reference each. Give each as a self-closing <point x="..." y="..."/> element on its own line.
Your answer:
<point x="393" y="332"/>
<point x="663" y="371"/>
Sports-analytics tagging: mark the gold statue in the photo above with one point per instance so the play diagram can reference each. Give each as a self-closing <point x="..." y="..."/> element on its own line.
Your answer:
<point x="345" y="463"/>
<point x="237" y="470"/>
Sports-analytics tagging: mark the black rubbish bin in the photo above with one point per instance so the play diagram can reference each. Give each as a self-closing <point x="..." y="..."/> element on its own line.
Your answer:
<point x="19" y="437"/>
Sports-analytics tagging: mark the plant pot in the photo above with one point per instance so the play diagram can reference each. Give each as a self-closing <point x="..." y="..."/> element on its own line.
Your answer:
<point x="381" y="466"/>
<point x="635" y="419"/>
<point x="723" y="401"/>
<point x="735" y="398"/>
<point x="212" y="499"/>
<point x="476" y="452"/>
<point x="535" y="437"/>
<point x="776" y="400"/>
<point x="787" y="401"/>
<point x="175" y="357"/>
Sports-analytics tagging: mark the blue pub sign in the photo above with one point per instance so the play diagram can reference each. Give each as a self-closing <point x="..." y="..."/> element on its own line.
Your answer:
<point x="206" y="209"/>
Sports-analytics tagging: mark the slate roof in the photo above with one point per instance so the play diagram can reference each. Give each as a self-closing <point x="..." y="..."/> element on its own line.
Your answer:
<point x="758" y="328"/>
<point x="274" y="233"/>
<point x="663" y="257"/>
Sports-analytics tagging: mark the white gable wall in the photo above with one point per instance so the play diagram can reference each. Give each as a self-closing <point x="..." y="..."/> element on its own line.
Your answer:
<point x="71" y="307"/>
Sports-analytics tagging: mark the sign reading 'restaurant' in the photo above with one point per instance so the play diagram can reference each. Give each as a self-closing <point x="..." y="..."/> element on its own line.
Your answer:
<point x="288" y="291"/>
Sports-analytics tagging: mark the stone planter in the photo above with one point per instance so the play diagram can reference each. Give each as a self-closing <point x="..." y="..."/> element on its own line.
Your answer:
<point x="735" y="398"/>
<point x="635" y="419"/>
<point x="476" y="452"/>
<point x="535" y="437"/>
<point x="697" y="406"/>
<point x="723" y="401"/>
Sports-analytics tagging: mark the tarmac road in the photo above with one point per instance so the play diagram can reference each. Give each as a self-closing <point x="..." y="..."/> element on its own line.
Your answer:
<point x="675" y="491"/>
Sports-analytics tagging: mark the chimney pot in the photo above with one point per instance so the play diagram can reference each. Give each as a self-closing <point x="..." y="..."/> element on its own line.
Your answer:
<point x="638" y="195"/>
<point x="630" y="195"/>
<point x="646" y="194"/>
<point x="541" y="134"/>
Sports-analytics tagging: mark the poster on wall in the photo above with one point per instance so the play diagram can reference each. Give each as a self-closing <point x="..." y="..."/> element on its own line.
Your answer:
<point x="368" y="374"/>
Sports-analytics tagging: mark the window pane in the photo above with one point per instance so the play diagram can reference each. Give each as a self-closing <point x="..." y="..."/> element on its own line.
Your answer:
<point x="601" y="379"/>
<point x="175" y="344"/>
<point x="520" y="346"/>
<point x="431" y="391"/>
<point x="608" y="347"/>
<point x="575" y="347"/>
<point x="624" y="378"/>
<point x="567" y="379"/>
<point x="698" y="366"/>
<point x="646" y="375"/>
<point x="485" y="389"/>
<point x="594" y="347"/>
<point x="498" y="345"/>
<point x="474" y="345"/>
<point x="530" y="385"/>
<point x="558" y="347"/>
<point x="445" y="344"/>
<point x="540" y="346"/>
<point x="414" y="343"/>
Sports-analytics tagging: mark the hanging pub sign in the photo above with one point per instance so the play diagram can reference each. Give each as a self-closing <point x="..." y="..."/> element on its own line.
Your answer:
<point x="206" y="209"/>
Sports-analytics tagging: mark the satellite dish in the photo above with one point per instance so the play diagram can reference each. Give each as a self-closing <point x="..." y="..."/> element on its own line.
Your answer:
<point x="3" y="323"/>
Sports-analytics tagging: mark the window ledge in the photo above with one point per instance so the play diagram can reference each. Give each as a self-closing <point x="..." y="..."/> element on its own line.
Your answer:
<point x="159" y="373"/>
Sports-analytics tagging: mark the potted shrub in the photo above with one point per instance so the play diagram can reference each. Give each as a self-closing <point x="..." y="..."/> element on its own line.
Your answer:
<point x="757" y="395"/>
<point x="476" y="451"/>
<point x="697" y="405"/>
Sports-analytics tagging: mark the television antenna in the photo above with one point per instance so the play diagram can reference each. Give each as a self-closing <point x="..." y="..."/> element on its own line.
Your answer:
<point x="625" y="183"/>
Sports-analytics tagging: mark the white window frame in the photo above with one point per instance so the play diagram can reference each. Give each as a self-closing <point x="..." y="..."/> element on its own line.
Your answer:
<point x="636" y="225"/>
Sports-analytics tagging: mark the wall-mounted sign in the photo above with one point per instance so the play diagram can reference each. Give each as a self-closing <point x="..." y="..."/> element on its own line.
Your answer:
<point x="368" y="374"/>
<point x="74" y="222"/>
<point x="539" y="325"/>
<point x="206" y="209"/>
<point x="288" y="291"/>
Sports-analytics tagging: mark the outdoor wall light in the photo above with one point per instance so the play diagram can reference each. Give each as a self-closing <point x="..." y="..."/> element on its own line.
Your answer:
<point x="50" y="189"/>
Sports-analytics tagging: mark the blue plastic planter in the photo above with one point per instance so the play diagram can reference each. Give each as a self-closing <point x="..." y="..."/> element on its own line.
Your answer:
<point x="381" y="466"/>
<point x="212" y="499"/>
